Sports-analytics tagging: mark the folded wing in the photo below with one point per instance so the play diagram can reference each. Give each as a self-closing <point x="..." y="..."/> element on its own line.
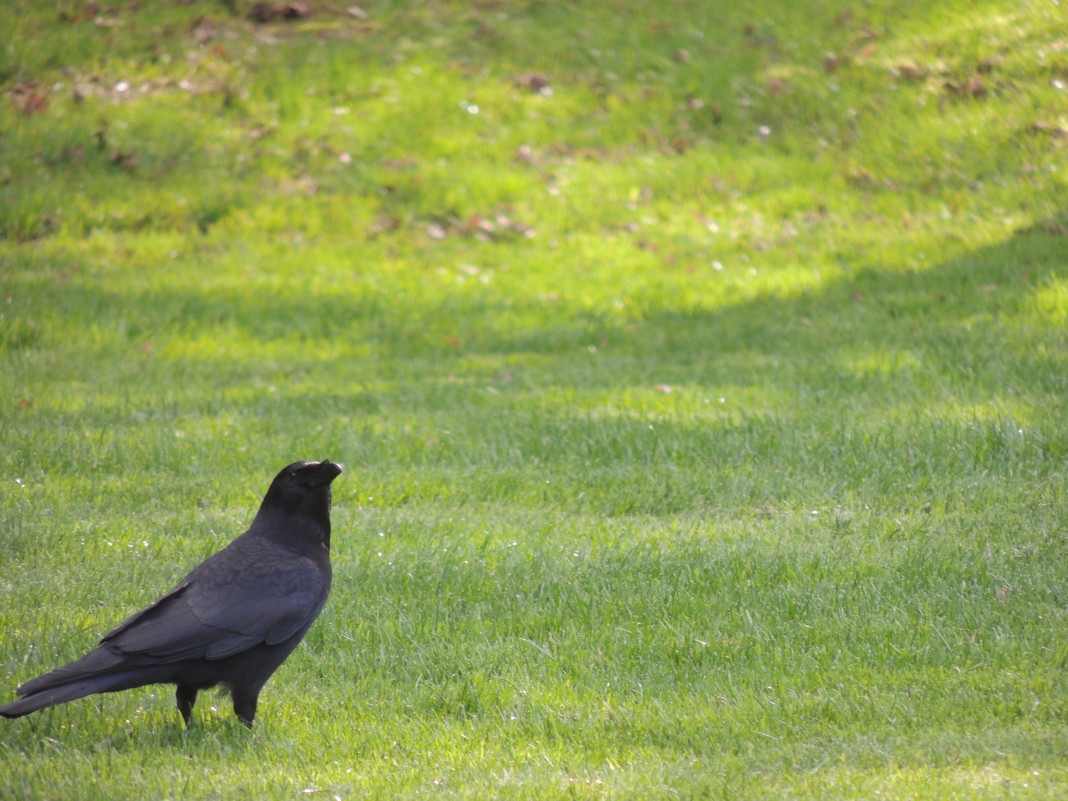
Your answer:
<point x="226" y="606"/>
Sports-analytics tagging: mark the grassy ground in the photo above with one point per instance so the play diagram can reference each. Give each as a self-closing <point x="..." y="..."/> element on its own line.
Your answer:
<point x="701" y="373"/>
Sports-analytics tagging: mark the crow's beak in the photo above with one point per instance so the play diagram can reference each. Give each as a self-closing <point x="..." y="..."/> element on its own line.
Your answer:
<point x="327" y="472"/>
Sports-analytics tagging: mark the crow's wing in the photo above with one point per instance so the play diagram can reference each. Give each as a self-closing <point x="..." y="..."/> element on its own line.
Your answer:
<point x="247" y="594"/>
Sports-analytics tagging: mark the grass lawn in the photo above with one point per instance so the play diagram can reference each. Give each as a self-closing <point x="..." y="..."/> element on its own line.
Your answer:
<point x="700" y="371"/>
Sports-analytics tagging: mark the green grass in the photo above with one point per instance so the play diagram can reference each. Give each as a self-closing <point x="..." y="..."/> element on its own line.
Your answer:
<point x="705" y="414"/>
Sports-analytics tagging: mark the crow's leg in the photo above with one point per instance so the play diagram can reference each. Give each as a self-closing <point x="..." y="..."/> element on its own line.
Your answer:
<point x="245" y="699"/>
<point x="186" y="695"/>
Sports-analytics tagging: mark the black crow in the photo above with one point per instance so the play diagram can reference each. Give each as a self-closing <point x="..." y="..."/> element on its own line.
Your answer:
<point x="232" y="621"/>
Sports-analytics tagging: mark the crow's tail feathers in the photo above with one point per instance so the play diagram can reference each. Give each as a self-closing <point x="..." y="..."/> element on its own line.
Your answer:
<point x="62" y="693"/>
<point x="100" y="671"/>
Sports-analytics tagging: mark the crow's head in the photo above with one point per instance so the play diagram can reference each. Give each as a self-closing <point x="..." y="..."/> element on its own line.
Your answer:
<point x="303" y="488"/>
<point x="309" y="474"/>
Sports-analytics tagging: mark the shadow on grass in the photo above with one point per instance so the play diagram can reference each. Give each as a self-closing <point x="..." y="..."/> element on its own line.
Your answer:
<point x="975" y="322"/>
<point x="116" y="726"/>
<point x="881" y="379"/>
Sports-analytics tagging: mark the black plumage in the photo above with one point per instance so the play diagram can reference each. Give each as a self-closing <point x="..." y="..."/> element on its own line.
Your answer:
<point x="232" y="621"/>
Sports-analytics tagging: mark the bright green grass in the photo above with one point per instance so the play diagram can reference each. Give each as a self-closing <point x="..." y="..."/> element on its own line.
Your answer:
<point x="704" y="417"/>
